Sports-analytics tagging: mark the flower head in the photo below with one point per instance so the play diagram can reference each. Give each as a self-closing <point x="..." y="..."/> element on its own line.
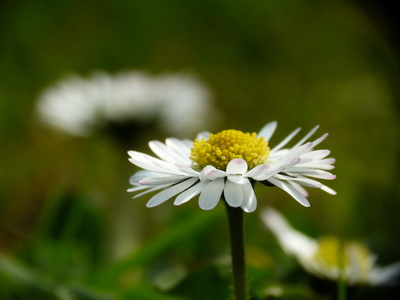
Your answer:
<point x="328" y="257"/>
<point x="228" y="164"/>
<point x="178" y="103"/>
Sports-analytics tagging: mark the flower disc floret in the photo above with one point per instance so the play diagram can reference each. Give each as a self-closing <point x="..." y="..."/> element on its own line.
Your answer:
<point x="221" y="148"/>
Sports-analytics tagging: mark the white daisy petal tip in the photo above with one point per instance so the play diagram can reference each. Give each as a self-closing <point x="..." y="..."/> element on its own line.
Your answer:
<point x="309" y="145"/>
<point x="237" y="166"/>
<point x="272" y="123"/>
<point x="151" y="204"/>
<point x="257" y="171"/>
<point x="211" y="194"/>
<point x="207" y="207"/>
<point x="144" y="181"/>
<point x="211" y="173"/>
<point x="250" y="210"/>
<point x="328" y="190"/>
<point x="320" y="139"/>
<point x="268" y="130"/>
<point x="203" y="135"/>
<point x="250" y="202"/>
<point x="240" y="194"/>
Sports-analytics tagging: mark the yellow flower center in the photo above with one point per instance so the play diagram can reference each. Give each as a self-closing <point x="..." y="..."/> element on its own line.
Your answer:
<point x="219" y="149"/>
<point x="333" y="253"/>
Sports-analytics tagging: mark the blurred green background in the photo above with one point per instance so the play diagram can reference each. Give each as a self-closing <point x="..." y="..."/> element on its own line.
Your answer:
<point x="69" y="229"/>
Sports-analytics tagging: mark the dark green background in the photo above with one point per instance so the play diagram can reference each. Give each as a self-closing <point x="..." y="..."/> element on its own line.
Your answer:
<point x="64" y="210"/>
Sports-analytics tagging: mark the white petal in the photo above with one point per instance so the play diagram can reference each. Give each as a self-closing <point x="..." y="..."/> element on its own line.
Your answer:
<point x="299" y="188"/>
<point x="314" y="155"/>
<point x="211" y="194"/>
<point x="188" y="144"/>
<point x="258" y="170"/>
<point x="316" y="165"/>
<point x="385" y="275"/>
<point x="203" y="135"/>
<point x="153" y="189"/>
<point x="300" y="180"/>
<point x="290" y="190"/>
<point x="297" y="152"/>
<point x="180" y="147"/>
<point x="167" y="167"/>
<point x="170" y="192"/>
<point x="237" y="166"/>
<point x="328" y="190"/>
<point x="275" y="169"/>
<point x="276" y="155"/>
<point x="168" y="179"/>
<point x="139" y="160"/>
<point x="328" y="161"/>
<point x="191" y="192"/>
<point x="268" y="130"/>
<point x="319" y="140"/>
<point x="137" y="188"/>
<point x="165" y="153"/>
<point x="237" y="179"/>
<point x="211" y="173"/>
<point x="286" y="165"/>
<point x="188" y="170"/>
<point x="268" y="173"/>
<point x="250" y="200"/>
<point x="312" y="173"/>
<point x="147" y="162"/>
<point x="306" y="136"/>
<point x="286" y="140"/>
<point x="139" y="175"/>
<point x="291" y="240"/>
<point x="233" y="194"/>
<point x="287" y="162"/>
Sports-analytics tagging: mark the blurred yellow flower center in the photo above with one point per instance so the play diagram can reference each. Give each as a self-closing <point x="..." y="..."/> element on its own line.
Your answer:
<point x="334" y="253"/>
<point x="219" y="149"/>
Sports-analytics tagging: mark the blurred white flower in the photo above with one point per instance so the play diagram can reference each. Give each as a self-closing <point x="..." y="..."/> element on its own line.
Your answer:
<point x="184" y="103"/>
<point x="178" y="103"/>
<point x="329" y="257"/>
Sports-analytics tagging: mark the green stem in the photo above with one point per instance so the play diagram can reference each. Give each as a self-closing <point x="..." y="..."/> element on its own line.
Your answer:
<point x="235" y="217"/>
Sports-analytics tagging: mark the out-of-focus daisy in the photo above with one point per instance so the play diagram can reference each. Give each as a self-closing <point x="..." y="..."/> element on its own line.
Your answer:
<point x="228" y="164"/>
<point x="329" y="257"/>
<point x="179" y="103"/>
<point x="184" y="102"/>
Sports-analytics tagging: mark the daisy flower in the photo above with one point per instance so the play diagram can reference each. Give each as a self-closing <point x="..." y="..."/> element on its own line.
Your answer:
<point x="322" y="257"/>
<point x="177" y="103"/>
<point x="228" y="164"/>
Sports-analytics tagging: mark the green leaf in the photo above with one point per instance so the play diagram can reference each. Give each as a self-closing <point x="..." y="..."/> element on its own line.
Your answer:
<point x="167" y="239"/>
<point x="26" y="283"/>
